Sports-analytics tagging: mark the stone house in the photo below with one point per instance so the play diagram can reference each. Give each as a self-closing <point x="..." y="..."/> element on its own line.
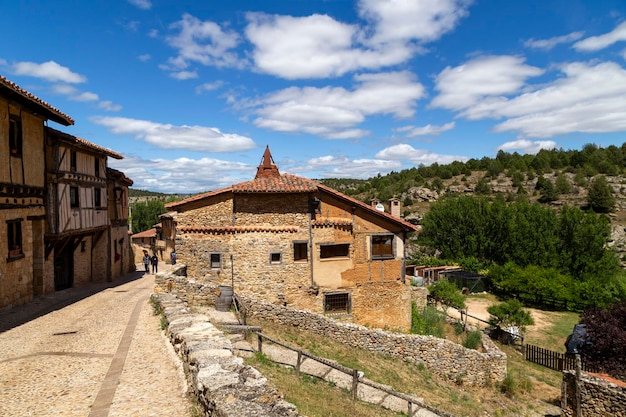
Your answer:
<point x="146" y="241"/>
<point x="23" y="118"/>
<point x="82" y="245"/>
<point x="63" y="213"/>
<point x="293" y="241"/>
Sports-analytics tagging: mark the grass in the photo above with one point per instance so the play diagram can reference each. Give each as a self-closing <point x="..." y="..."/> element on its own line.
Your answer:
<point x="526" y="387"/>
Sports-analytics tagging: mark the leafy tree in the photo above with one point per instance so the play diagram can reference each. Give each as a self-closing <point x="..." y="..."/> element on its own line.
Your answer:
<point x="606" y="332"/>
<point x="600" y="197"/>
<point x="447" y="294"/>
<point x="509" y="313"/>
<point x="145" y="215"/>
<point x="483" y="187"/>
<point x="563" y="185"/>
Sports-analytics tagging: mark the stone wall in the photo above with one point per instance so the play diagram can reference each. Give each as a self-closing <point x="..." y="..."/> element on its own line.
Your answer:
<point x="441" y="356"/>
<point x="598" y="397"/>
<point x="221" y="383"/>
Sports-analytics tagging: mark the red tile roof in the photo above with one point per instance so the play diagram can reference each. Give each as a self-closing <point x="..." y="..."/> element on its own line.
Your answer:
<point x="285" y="183"/>
<point x="197" y="198"/>
<point x="146" y="233"/>
<point x="82" y="143"/>
<point x="33" y="102"/>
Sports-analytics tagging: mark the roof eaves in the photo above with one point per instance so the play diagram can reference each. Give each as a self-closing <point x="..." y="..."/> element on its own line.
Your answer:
<point x="196" y="198"/>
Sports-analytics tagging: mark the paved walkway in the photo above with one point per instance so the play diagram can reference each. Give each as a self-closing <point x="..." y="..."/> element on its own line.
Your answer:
<point x="96" y="351"/>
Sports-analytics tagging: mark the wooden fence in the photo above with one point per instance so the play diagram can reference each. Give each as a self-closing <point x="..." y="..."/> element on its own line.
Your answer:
<point x="551" y="359"/>
<point x="357" y="377"/>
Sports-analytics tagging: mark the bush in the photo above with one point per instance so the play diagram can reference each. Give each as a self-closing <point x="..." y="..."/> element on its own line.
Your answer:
<point x="473" y="340"/>
<point x="427" y="322"/>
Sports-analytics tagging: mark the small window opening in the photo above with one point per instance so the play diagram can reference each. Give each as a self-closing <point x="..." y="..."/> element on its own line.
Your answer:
<point x="97" y="197"/>
<point x="96" y="166"/>
<point x="216" y="260"/>
<point x="300" y="251"/>
<point x="74" y="203"/>
<point x="15" y="136"/>
<point x="72" y="160"/>
<point x="275" y="258"/>
<point x="14" y="237"/>
<point x="337" y="303"/>
<point x="382" y="246"/>
<point x="341" y="250"/>
<point x="83" y="245"/>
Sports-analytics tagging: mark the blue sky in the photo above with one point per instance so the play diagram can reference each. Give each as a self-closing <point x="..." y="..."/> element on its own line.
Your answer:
<point x="191" y="92"/>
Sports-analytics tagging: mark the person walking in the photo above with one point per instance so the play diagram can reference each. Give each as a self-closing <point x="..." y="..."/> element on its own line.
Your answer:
<point x="146" y="261"/>
<point x="155" y="264"/>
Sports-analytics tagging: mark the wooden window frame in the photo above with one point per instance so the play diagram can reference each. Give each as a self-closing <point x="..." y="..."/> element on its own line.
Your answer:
<point x="334" y="251"/>
<point x="380" y="249"/>
<point x="96" y="167"/>
<point x="14" y="239"/>
<point x="97" y="197"/>
<point x="73" y="160"/>
<point x="276" y="258"/>
<point x="74" y="197"/>
<point x="16" y="138"/>
<point x="300" y="251"/>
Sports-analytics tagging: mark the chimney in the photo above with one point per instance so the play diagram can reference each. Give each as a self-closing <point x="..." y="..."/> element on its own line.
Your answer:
<point x="395" y="207"/>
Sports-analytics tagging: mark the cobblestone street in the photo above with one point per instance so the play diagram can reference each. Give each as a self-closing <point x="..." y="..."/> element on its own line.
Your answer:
<point x="103" y="355"/>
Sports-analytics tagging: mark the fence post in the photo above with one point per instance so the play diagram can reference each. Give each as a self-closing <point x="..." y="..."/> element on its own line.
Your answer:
<point x="259" y="343"/>
<point x="577" y="392"/>
<point x="355" y="383"/>
<point x="298" y="362"/>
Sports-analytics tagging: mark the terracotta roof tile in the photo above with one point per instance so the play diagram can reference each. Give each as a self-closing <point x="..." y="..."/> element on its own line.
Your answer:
<point x="146" y="233"/>
<point x="285" y="183"/>
<point x="66" y="137"/>
<point x="197" y="197"/>
<point x="51" y="113"/>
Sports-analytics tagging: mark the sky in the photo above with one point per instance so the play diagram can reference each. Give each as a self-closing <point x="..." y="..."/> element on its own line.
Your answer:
<point x="191" y="92"/>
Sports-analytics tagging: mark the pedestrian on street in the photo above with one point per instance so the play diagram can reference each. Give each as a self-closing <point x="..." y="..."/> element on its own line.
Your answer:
<point x="146" y="261"/>
<point x="155" y="264"/>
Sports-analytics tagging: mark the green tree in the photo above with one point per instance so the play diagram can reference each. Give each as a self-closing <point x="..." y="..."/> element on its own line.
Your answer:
<point x="509" y="313"/>
<point x="447" y="294"/>
<point x="600" y="197"/>
<point x="563" y="185"/>
<point x="145" y="215"/>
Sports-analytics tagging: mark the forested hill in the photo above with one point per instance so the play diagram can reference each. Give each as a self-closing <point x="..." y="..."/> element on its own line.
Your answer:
<point x="569" y="172"/>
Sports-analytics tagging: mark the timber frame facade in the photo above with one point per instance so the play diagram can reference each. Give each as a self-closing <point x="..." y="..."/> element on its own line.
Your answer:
<point x="55" y="228"/>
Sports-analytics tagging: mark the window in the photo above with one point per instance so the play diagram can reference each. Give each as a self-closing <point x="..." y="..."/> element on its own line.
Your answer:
<point x="14" y="237"/>
<point x="275" y="257"/>
<point x="96" y="166"/>
<point x="340" y="250"/>
<point x="72" y="160"/>
<point x="97" y="197"/>
<point x="83" y="246"/>
<point x="382" y="246"/>
<point x="15" y="136"/>
<point x="300" y="251"/>
<point x="337" y="303"/>
<point x="216" y="260"/>
<point x="74" y="203"/>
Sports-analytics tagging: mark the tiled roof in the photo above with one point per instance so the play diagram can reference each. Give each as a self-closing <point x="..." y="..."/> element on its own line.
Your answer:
<point x="238" y="229"/>
<point x="119" y="176"/>
<point x="369" y="208"/>
<point x="285" y="183"/>
<point x="17" y="93"/>
<point x="197" y="198"/>
<point x="332" y="221"/>
<point x="146" y="233"/>
<point x="66" y="137"/>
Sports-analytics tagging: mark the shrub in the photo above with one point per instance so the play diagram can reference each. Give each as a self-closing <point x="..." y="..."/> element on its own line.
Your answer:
<point x="473" y="340"/>
<point x="428" y="322"/>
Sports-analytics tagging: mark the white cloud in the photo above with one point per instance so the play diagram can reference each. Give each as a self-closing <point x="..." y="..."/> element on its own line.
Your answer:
<point x="548" y="44"/>
<point x="201" y="42"/>
<point x="428" y="130"/>
<point x="50" y="71"/>
<point x="141" y="4"/>
<point x="332" y="112"/>
<point x="488" y="77"/>
<point x="203" y="88"/>
<point x="527" y="146"/>
<point x="85" y="96"/>
<point x="343" y="167"/>
<point x="182" y="175"/>
<point x="595" y="43"/>
<point x="402" y="20"/>
<point x="318" y="46"/>
<point x="144" y="57"/>
<point x="109" y="106"/>
<point x="184" y="75"/>
<point x="167" y="136"/>
<point x="416" y="156"/>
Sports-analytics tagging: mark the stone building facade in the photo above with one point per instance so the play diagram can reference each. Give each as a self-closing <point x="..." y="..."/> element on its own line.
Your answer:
<point x="292" y="241"/>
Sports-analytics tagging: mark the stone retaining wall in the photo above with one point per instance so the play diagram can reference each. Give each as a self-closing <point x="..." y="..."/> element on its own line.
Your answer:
<point x="598" y="397"/>
<point x="222" y="384"/>
<point x="443" y="357"/>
